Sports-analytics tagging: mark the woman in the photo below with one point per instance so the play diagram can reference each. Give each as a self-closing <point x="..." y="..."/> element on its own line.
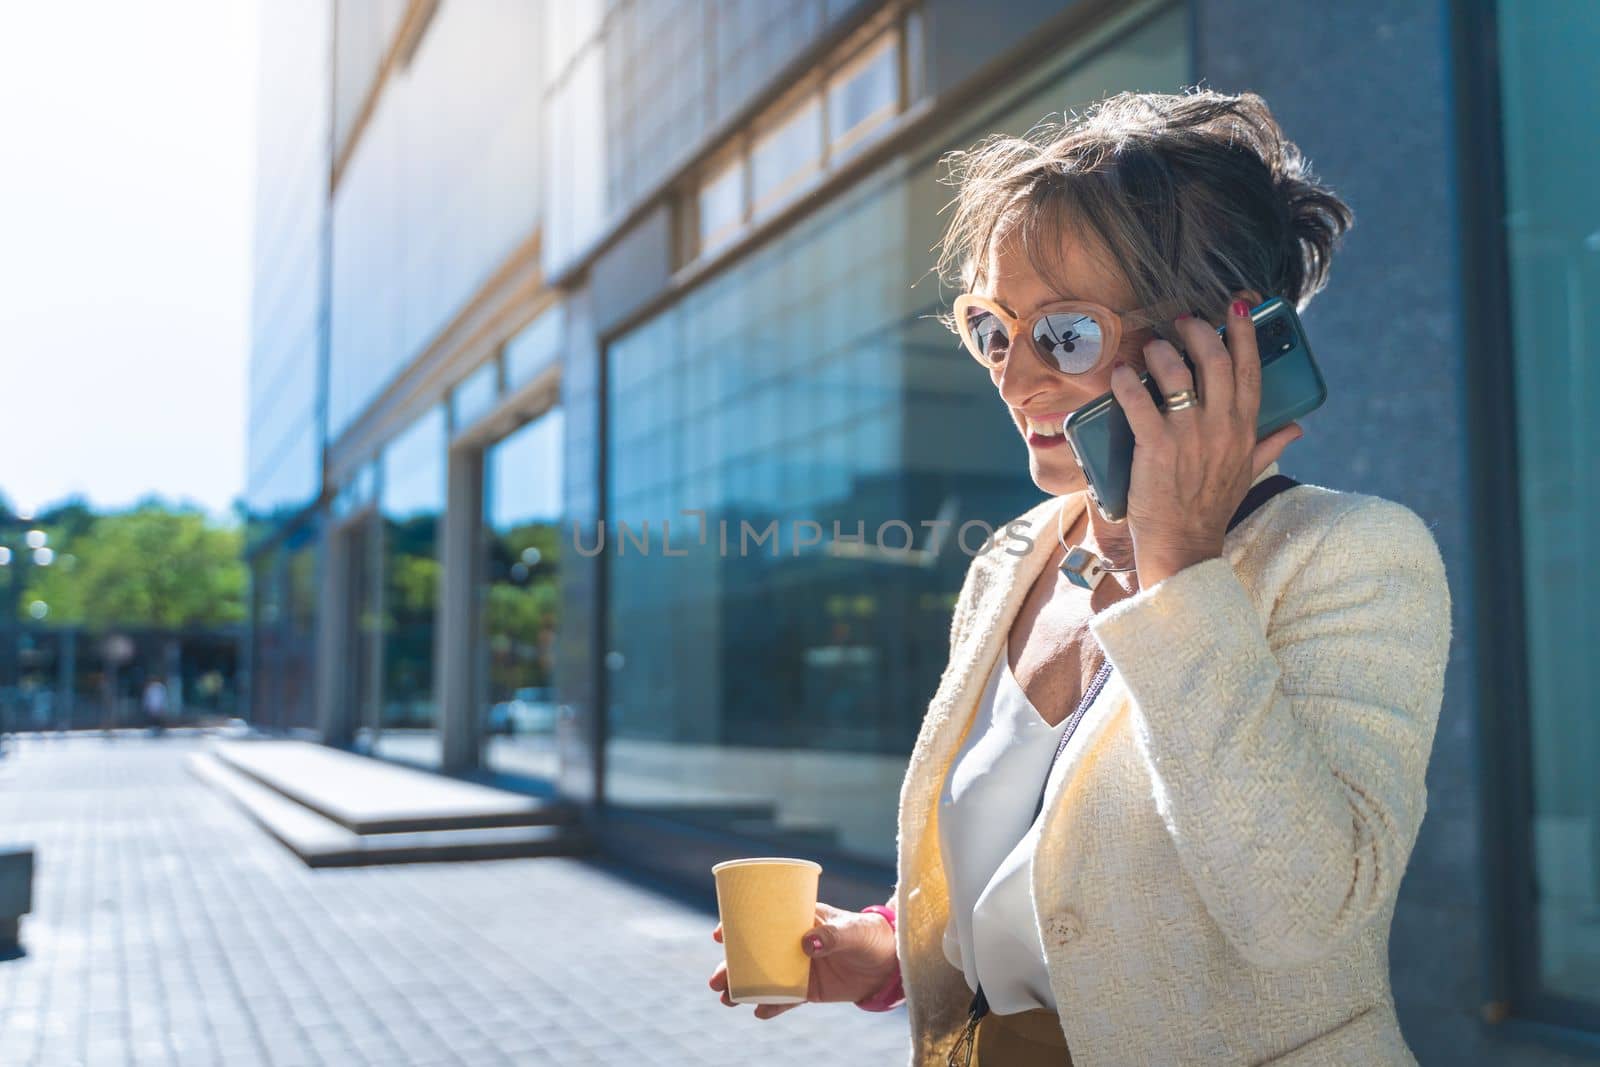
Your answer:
<point x="1212" y="876"/>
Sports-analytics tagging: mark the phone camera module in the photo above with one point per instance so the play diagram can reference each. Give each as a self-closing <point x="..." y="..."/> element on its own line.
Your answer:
<point x="1277" y="335"/>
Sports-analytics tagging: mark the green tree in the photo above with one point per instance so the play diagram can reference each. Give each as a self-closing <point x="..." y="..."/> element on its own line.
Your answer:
<point x="72" y="517"/>
<point x="151" y="565"/>
<point x="522" y="606"/>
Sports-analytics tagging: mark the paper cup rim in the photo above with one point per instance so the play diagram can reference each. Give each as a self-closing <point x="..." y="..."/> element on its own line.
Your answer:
<point x="790" y="860"/>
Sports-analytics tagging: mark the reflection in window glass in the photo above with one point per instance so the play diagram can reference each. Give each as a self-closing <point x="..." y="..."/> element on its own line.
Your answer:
<point x="775" y="687"/>
<point x="363" y="546"/>
<point x="413" y="497"/>
<point x="864" y="96"/>
<point x="721" y="205"/>
<point x="283" y="632"/>
<point x="1553" y="240"/>
<point x="521" y="599"/>
<point x="300" y="636"/>
<point x="266" y="639"/>
<point x="284" y="446"/>
<point x="475" y="395"/>
<point x="914" y="56"/>
<point x="536" y="346"/>
<point x="356" y="493"/>
<point x="781" y="159"/>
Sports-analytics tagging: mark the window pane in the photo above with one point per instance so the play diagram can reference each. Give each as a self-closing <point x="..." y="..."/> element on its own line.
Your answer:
<point x="413" y="507"/>
<point x="721" y="205"/>
<point x="475" y="395"/>
<point x="266" y="638"/>
<point x="864" y="96"/>
<point x="300" y="636"/>
<point x="357" y="491"/>
<point x="521" y="598"/>
<point x="536" y="347"/>
<point x="1553" y="240"/>
<point x="782" y="158"/>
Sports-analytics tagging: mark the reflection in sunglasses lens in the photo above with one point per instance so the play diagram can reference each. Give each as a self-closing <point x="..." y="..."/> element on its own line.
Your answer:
<point x="1070" y="341"/>
<point x="989" y="333"/>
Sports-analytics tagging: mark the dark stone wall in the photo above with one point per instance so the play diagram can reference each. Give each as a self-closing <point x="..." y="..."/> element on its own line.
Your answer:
<point x="1364" y="89"/>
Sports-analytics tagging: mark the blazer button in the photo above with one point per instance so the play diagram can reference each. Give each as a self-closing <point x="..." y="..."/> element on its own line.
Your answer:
<point x="1065" y="926"/>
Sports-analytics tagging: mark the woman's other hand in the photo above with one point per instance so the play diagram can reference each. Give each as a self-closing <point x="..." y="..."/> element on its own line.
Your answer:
<point x="852" y="957"/>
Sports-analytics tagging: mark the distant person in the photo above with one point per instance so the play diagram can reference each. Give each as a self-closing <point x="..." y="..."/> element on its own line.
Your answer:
<point x="1225" y="833"/>
<point x="155" y="705"/>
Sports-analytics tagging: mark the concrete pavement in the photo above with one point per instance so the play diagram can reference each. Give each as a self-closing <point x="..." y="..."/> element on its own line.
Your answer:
<point x="168" y="929"/>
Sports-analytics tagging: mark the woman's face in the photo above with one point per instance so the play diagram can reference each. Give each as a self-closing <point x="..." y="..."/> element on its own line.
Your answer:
<point x="1039" y="399"/>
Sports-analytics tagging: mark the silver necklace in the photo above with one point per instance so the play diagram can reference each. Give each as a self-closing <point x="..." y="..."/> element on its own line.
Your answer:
<point x="1084" y="567"/>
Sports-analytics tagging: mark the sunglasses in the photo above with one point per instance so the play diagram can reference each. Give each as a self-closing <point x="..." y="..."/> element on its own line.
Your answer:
<point x="1070" y="337"/>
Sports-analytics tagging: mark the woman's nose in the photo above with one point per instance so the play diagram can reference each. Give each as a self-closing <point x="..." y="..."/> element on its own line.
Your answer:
<point x="1020" y="378"/>
<point x="1024" y="383"/>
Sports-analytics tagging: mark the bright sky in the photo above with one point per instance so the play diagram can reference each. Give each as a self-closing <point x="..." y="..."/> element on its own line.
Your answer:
<point x="127" y="159"/>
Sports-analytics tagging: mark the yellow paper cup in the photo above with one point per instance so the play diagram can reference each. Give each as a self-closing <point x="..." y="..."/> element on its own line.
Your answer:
<point x="766" y="906"/>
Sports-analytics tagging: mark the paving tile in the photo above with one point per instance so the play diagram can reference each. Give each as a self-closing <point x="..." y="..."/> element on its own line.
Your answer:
<point x="169" y="928"/>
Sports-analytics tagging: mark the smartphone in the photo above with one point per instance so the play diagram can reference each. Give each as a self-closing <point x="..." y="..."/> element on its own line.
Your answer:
<point x="1291" y="385"/>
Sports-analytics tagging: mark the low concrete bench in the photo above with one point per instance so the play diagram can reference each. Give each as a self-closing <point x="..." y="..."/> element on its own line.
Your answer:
<point x="16" y="891"/>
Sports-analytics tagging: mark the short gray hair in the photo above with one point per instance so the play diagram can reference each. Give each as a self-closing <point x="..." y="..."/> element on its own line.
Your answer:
<point x="1195" y="195"/>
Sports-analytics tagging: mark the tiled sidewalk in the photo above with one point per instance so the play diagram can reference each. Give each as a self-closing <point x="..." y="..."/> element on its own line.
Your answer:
<point x="168" y="929"/>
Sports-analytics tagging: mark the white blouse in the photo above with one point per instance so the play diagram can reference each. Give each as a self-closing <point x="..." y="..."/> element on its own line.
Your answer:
<point x="988" y="833"/>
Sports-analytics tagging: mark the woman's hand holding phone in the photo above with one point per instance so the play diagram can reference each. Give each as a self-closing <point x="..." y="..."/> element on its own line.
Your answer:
<point x="1193" y="466"/>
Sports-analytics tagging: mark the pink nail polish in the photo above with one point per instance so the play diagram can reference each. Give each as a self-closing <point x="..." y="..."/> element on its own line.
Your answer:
<point x="1240" y="308"/>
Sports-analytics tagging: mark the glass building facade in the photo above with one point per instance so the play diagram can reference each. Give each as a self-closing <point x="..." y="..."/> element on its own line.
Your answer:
<point x="770" y="678"/>
<point x="603" y="441"/>
<point x="286" y="402"/>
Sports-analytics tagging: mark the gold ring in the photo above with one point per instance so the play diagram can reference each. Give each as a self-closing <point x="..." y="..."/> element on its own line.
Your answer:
<point x="1183" y="398"/>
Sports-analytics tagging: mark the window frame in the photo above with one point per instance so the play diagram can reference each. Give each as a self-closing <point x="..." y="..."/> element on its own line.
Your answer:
<point x="898" y="28"/>
<point x="725" y="165"/>
<point x="1515" y="1004"/>
<point x="840" y="144"/>
<point x="779" y="124"/>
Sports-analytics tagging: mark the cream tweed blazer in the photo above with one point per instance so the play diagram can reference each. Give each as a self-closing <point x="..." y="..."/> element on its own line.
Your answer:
<point x="1219" y="861"/>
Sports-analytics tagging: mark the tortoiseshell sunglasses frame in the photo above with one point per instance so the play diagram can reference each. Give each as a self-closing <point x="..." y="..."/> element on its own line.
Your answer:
<point x="1112" y="325"/>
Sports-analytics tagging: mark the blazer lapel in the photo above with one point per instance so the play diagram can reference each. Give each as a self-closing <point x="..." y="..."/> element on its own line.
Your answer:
<point x="1107" y="704"/>
<point x="997" y="599"/>
<point x="937" y="993"/>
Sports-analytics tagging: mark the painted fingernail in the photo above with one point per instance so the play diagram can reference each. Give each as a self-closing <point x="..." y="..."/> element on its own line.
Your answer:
<point x="816" y="943"/>
<point x="1240" y="308"/>
<point x="1185" y="315"/>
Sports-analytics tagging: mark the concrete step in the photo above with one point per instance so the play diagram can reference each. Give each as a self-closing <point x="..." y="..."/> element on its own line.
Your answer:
<point x="372" y="796"/>
<point x="321" y="842"/>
